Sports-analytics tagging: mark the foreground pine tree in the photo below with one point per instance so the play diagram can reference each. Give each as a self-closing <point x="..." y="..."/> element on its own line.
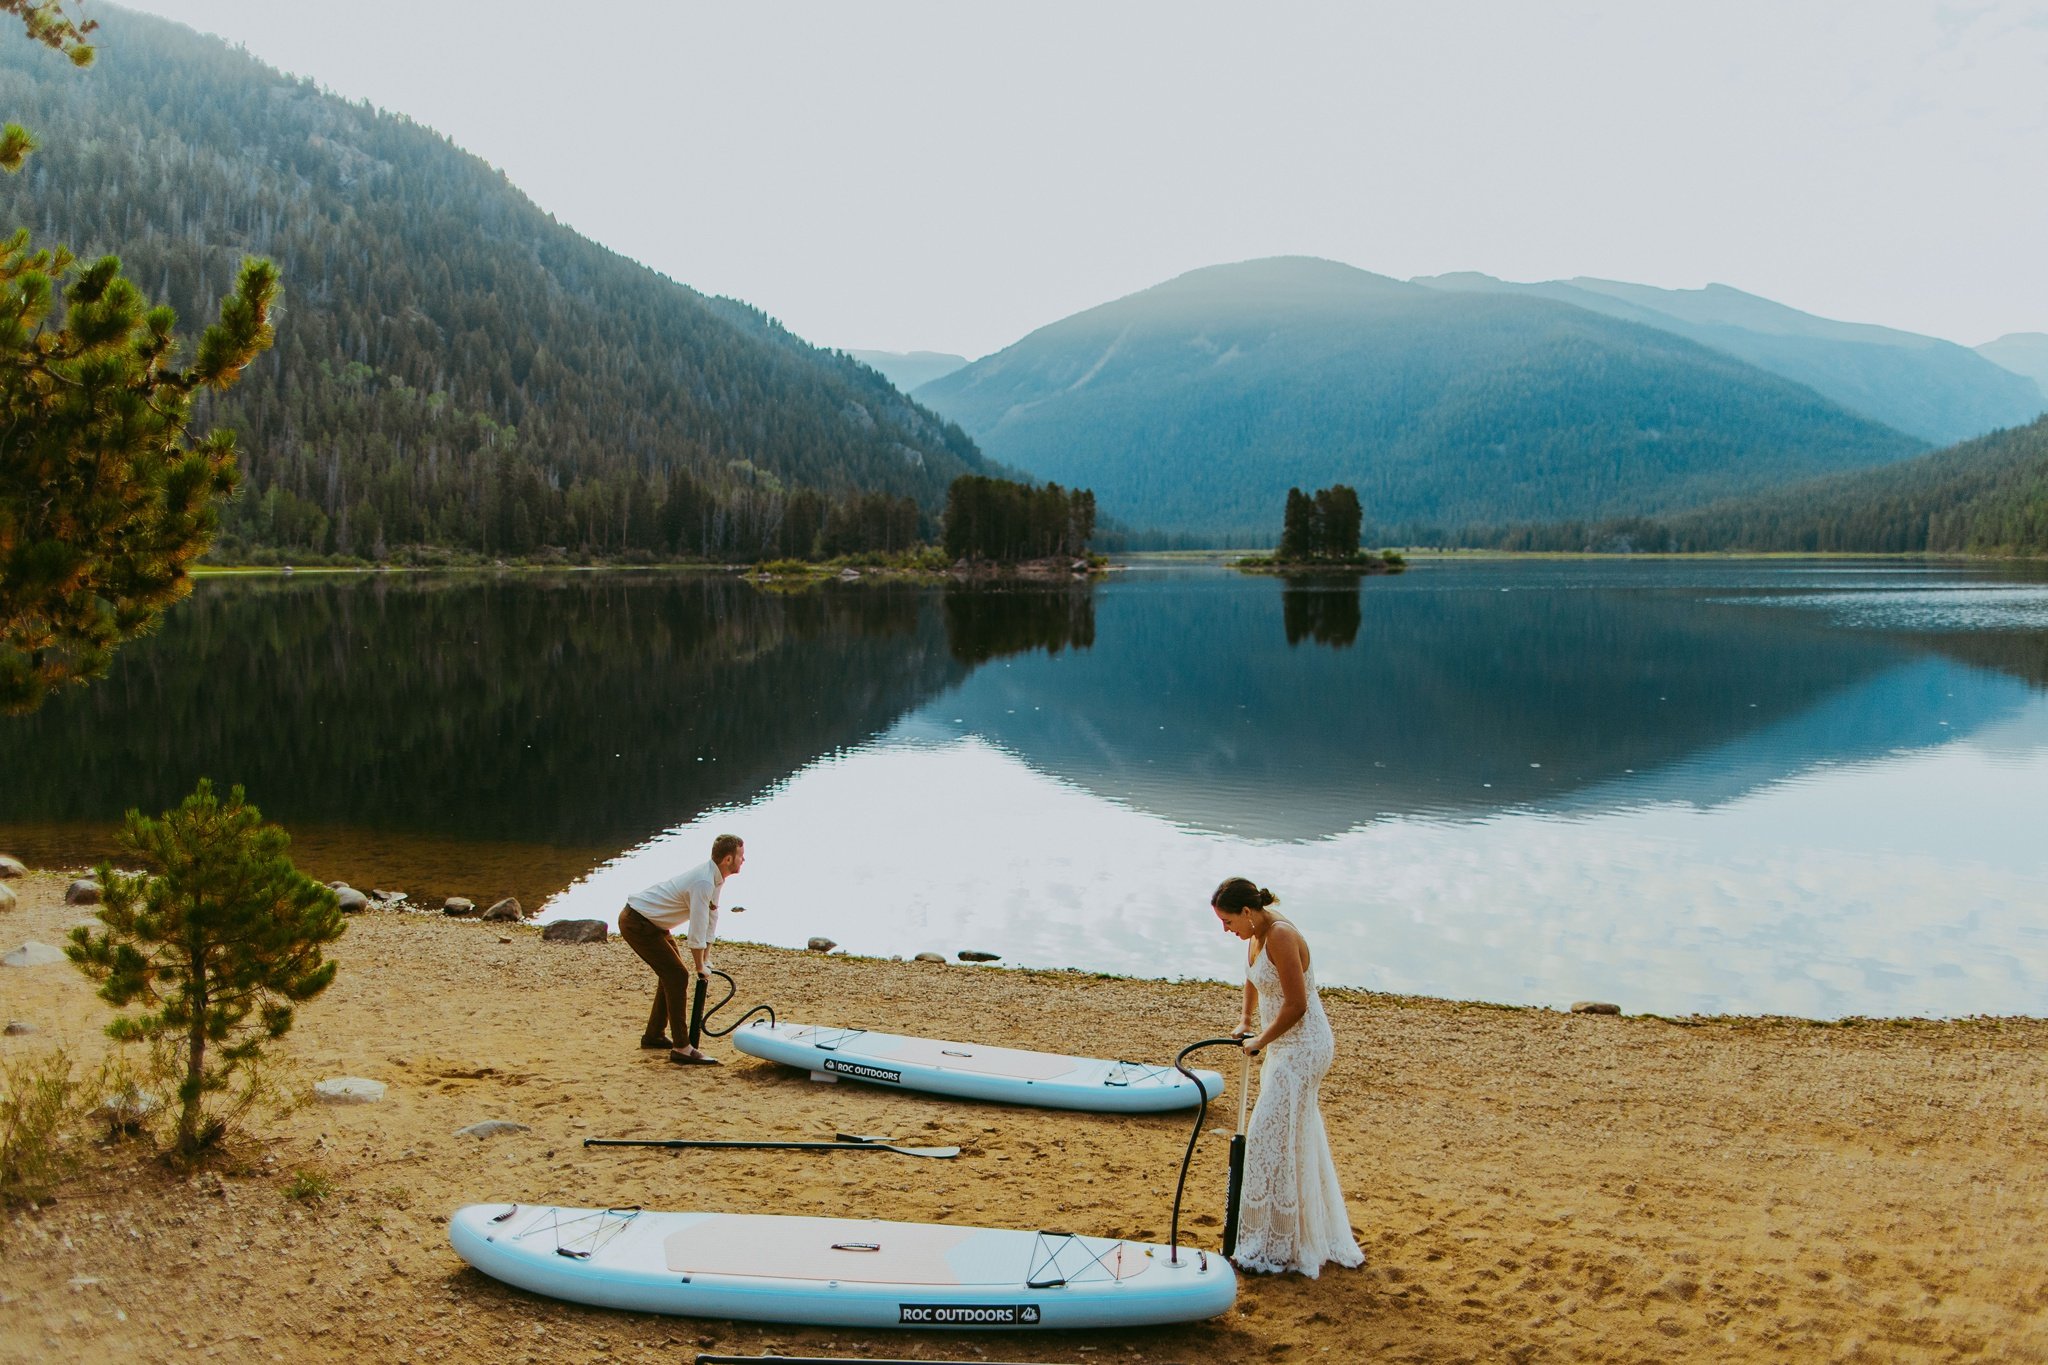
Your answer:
<point x="103" y="503"/>
<point x="217" y="941"/>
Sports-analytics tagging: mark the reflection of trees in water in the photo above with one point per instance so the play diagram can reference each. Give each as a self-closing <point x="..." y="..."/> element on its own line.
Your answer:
<point x="558" y="708"/>
<point x="987" y="623"/>
<point x="1320" y="607"/>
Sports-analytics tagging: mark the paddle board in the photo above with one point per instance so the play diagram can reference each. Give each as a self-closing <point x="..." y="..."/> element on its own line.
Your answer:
<point x="838" y="1272"/>
<point x="974" y="1071"/>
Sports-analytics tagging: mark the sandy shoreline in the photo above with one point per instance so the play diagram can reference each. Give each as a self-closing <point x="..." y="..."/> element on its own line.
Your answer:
<point x="1527" y="1185"/>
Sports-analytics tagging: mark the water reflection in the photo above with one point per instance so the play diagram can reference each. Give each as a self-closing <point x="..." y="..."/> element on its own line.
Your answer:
<point x="1469" y="690"/>
<point x="571" y="710"/>
<point x="1511" y="781"/>
<point x="1321" y="607"/>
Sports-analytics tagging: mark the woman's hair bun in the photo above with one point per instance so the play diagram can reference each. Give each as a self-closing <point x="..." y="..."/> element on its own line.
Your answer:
<point x="1267" y="898"/>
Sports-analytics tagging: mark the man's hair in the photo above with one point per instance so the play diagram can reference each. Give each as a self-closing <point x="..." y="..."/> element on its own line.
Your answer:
<point x="725" y="845"/>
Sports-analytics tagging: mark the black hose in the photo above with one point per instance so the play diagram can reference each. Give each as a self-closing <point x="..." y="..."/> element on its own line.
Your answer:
<point x="1201" y="1113"/>
<point x="732" y="988"/>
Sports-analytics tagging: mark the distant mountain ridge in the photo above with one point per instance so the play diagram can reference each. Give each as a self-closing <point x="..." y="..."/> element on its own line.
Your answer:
<point x="453" y="366"/>
<point x="1921" y="385"/>
<point x="908" y="369"/>
<point x="2024" y="353"/>
<point x="1194" y="405"/>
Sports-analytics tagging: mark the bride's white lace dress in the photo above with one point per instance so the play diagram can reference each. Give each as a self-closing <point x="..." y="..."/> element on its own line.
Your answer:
<point x="1292" y="1214"/>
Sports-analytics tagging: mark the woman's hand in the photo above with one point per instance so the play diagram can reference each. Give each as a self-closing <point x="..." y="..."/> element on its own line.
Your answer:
<point x="1252" y="1046"/>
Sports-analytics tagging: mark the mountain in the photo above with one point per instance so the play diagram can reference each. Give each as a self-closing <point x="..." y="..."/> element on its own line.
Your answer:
<point x="1987" y="496"/>
<point x="908" y="369"/>
<point x="2024" y="353"/>
<point x="1196" y="404"/>
<point x="453" y="366"/>
<point x="1933" y="389"/>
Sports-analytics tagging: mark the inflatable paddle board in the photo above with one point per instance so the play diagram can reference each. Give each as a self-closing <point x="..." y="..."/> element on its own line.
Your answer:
<point x="838" y="1272"/>
<point x="973" y="1071"/>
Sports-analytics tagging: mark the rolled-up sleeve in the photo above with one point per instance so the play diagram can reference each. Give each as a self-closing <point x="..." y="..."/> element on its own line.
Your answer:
<point x="700" y="918"/>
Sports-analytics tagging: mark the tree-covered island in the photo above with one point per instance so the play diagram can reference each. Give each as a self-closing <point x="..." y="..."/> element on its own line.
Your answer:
<point x="1320" y="533"/>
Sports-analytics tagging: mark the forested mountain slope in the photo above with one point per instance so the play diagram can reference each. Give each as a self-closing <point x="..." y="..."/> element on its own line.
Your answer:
<point x="1195" y="405"/>
<point x="1987" y="496"/>
<point x="452" y="365"/>
<point x="1921" y="385"/>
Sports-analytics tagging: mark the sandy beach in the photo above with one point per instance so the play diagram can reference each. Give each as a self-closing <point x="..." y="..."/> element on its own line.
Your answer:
<point x="1529" y="1185"/>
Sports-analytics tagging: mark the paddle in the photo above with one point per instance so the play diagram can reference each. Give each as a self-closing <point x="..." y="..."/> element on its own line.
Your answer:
<point x="847" y="1142"/>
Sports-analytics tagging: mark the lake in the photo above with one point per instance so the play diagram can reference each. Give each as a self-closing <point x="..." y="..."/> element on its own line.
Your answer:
<point x="1790" y="787"/>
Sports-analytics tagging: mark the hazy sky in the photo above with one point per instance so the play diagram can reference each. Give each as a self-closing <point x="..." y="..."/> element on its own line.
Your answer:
<point x="949" y="176"/>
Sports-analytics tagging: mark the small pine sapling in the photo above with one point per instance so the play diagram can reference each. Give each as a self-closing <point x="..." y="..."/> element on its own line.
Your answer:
<point x="217" y="940"/>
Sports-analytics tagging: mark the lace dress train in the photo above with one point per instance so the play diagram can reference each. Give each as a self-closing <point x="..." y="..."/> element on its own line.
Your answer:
<point x="1292" y="1215"/>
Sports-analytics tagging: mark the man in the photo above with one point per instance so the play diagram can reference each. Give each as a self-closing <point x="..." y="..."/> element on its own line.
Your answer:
<point x="689" y="901"/>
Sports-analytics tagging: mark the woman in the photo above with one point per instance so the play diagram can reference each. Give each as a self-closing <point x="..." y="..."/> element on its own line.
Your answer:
<point x="1292" y="1214"/>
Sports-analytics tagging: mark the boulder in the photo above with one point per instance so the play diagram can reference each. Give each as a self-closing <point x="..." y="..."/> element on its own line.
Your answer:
<point x="1594" y="1007"/>
<point x="353" y="902"/>
<point x="821" y="945"/>
<point x="976" y="955"/>
<point x="506" y="909"/>
<point x="491" y="1128"/>
<point x="84" y="891"/>
<point x="575" y="931"/>
<point x="389" y="900"/>
<point x="7" y="897"/>
<point x="348" y="1090"/>
<point x="458" y="905"/>
<point x="11" y="867"/>
<point x="929" y="957"/>
<point x="33" y="954"/>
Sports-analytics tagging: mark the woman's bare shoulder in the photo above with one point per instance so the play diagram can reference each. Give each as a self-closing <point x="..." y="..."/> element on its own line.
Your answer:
<point x="1287" y="939"/>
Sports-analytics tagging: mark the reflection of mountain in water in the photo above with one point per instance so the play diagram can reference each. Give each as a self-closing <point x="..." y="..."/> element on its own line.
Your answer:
<point x="564" y="708"/>
<point x="1466" y="691"/>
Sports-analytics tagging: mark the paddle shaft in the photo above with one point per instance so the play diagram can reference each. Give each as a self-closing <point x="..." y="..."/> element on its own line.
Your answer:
<point x="674" y="1144"/>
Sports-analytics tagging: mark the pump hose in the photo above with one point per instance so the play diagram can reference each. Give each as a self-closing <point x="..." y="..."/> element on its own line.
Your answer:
<point x="1201" y="1113"/>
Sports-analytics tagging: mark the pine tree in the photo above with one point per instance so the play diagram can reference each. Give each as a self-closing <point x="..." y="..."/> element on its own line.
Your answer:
<point x="1298" y="531"/>
<point x="1339" y="517"/>
<point x="103" y="502"/>
<point x="221" y="928"/>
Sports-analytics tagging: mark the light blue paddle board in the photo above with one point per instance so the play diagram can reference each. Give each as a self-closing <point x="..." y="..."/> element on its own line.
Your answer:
<point x="839" y="1272"/>
<point x="976" y="1071"/>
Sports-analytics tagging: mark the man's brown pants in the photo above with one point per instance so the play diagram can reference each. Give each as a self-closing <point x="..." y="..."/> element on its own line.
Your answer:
<point x="672" y="989"/>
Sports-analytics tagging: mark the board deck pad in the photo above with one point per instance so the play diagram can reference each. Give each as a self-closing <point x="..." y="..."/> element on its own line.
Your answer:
<point x="976" y="1070"/>
<point x="839" y="1271"/>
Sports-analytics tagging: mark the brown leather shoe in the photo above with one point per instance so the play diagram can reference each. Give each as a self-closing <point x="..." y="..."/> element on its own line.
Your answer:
<point x="655" y="1040"/>
<point x="682" y="1058"/>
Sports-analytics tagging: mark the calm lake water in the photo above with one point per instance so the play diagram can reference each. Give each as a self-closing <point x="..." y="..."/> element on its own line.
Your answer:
<point x="1809" y="788"/>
